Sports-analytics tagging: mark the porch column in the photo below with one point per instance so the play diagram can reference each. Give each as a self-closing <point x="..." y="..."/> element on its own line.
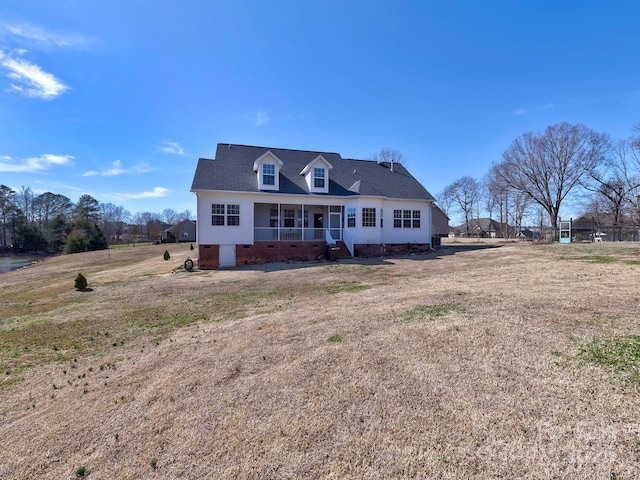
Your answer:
<point x="279" y="206"/>
<point x="302" y="219"/>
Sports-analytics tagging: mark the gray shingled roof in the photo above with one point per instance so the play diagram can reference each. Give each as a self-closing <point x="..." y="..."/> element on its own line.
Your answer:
<point x="232" y="170"/>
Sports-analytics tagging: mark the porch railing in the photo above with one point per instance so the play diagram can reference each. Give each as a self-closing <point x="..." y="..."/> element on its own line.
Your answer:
<point x="347" y="241"/>
<point x="281" y="234"/>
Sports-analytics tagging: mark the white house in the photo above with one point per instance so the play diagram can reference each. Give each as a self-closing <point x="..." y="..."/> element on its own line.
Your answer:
<point x="259" y="204"/>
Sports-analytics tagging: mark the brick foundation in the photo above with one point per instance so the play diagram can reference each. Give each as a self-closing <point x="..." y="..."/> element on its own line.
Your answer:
<point x="209" y="256"/>
<point x="264" y="252"/>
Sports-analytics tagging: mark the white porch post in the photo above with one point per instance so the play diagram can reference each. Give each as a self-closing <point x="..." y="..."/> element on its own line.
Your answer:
<point x="302" y="219"/>
<point x="279" y="206"/>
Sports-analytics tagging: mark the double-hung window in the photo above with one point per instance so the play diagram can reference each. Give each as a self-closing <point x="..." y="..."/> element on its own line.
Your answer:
<point x="233" y="215"/>
<point x="368" y="217"/>
<point x="217" y="214"/>
<point x="268" y="174"/>
<point x="318" y="177"/>
<point x="406" y="219"/>
<point x="351" y="217"/>
<point x="416" y="219"/>
<point x="397" y="219"/>
<point x="289" y="218"/>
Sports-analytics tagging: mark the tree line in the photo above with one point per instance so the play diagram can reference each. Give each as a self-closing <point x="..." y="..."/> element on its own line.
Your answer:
<point x="50" y="222"/>
<point x="540" y="172"/>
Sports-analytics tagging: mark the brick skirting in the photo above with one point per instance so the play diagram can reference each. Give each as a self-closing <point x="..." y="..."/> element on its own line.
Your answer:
<point x="264" y="252"/>
<point x="209" y="256"/>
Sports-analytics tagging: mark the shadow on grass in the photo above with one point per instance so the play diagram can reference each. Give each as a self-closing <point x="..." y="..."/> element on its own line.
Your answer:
<point x="452" y="249"/>
<point x="368" y="261"/>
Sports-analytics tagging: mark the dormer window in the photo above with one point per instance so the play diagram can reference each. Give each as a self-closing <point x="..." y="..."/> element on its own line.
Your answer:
<point x="268" y="174"/>
<point x="316" y="174"/>
<point x="267" y="167"/>
<point x="318" y="177"/>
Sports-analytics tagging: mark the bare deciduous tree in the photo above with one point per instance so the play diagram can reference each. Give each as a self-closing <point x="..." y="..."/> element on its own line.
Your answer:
<point x="547" y="166"/>
<point x="465" y="193"/>
<point x="615" y="180"/>
<point x="389" y="155"/>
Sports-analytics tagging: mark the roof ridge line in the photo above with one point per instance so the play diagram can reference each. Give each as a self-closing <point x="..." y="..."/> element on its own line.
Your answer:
<point x="223" y="144"/>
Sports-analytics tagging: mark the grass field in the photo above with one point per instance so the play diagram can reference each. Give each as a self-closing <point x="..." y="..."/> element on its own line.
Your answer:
<point x="483" y="360"/>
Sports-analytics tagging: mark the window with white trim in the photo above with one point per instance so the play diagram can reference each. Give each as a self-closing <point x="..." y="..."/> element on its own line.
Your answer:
<point x="217" y="214"/>
<point x="233" y="215"/>
<point x="368" y="217"/>
<point x="416" y="219"/>
<point x="406" y="219"/>
<point x="351" y="217"/>
<point x="222" y="214"/>
<point x="397" y="219"/>
<point x="289" y="218"/>
<point x="318" y="177"/>
<point x="268" y="174"/>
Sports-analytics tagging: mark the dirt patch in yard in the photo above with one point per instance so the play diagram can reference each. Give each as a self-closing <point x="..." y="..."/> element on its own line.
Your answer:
<point x="478" y="361"/>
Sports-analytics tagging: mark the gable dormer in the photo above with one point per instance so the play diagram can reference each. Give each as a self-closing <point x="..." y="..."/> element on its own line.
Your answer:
<point x="267" y="167"/>
<point x="316" y="173"/>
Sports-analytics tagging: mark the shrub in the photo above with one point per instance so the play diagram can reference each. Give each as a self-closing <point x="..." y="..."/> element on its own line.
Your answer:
<point x="80" y="282"/>
<point x="191" y="247"/>
<point x="166" y="255"/>
<point x="76" y="243"/>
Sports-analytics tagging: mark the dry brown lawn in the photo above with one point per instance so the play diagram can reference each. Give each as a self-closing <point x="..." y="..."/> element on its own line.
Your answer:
<point x="468" y="363"/>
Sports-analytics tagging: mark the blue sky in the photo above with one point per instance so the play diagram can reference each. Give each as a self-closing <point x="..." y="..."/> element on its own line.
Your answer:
<point x="118" y="99"/>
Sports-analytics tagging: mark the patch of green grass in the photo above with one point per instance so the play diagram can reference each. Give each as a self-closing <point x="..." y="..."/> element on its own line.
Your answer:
<point x="344" y="286"/>
<point x="432" y="312"/>
<point x="335" y="338"/>
<point x="621" y="353"/>
<point x="597" y="259"/>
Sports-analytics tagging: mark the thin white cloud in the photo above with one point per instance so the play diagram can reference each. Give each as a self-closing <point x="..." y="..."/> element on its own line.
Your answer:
<point x="527" y="111"/>
<point x="37" y="35"/>
<point x="30" y="79"/>
<point x="59" y="185"/>
<point x="156" y="193"/>
<point x="261" y="118"/>
<point x="116" y="169"/>
<point x="173" y="147"/>
<point x="33" y="164"/>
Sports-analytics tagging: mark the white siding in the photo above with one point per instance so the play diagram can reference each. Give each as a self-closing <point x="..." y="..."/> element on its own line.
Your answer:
<point x="220" y="235"/>
<point x="362" y="234"/>
<point x="390" y="234"/>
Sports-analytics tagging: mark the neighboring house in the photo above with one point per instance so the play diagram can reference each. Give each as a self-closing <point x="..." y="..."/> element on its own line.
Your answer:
<point x="258" y="204"/>
<point x="480" y="227"/>
<point x="597" y="226"/>
<point x="526" y="233"/>
<point x="184" y="231"/>
<point x="440" y="222"/>
<point x="439" y="225"/>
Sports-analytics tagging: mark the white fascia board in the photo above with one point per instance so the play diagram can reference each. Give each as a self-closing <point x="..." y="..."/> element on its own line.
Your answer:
<point x="312" y="163"/>
<point x="268" y="153"/>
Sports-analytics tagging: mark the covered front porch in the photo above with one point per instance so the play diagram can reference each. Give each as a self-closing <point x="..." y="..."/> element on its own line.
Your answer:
<point x="285" y="222"/>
